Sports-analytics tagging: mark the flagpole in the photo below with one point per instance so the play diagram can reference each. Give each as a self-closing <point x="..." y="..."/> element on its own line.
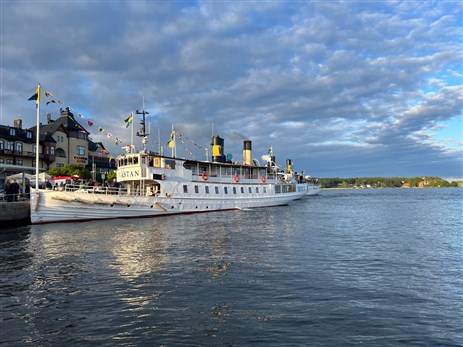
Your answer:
<point x="37" y="142"/>
<point x="131" y="134"/>
<point x="173" y="138"/>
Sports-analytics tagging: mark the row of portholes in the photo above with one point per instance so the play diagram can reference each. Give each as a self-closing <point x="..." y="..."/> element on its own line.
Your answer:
<point x="152" y="206"/>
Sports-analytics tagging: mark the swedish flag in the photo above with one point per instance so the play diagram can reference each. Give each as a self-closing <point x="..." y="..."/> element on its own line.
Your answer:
<point x="128" y="121"/>
<point x="36" y="96"/>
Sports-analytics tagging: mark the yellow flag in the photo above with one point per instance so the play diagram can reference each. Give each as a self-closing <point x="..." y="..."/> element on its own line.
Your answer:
<point x="171" y="143"/>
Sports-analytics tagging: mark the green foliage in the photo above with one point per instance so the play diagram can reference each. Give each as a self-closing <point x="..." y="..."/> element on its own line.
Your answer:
<point x="386" y="182"/>
<point x="111" y="175"/>
<point x="70" y="170"/>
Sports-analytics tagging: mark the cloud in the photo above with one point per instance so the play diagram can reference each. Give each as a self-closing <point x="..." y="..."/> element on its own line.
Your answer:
<point x="342" y="88"/>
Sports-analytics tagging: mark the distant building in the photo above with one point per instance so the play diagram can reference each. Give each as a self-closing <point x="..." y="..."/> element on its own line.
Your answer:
<point x="62" y="141"/>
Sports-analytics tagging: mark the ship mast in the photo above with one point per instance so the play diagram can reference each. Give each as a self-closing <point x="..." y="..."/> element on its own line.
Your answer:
<point x="142" y="133"/>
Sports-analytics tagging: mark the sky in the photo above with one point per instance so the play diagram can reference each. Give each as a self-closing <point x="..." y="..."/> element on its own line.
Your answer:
<point x="342" y="88"/>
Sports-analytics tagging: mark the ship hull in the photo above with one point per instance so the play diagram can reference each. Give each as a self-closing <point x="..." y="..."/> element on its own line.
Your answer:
<point x="313" y="189"/>
<point x="48" y="206"/>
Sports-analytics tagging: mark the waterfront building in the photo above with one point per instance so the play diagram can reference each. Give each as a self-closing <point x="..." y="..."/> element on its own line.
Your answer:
<point x="62" y="141"/>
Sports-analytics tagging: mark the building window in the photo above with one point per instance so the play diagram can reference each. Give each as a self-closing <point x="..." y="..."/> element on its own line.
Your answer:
<point x="19" y="147"/>
<point x="60" y="153"/>
<point x="10" y="145"/>
<point x="12" y="131"/>
<point x="29" y="134"/>
<point x="19" y="162"/>
<point x="2" y="144"/>
<point x="2" y="161"/>
<point x="9" y="161"/>
<point x="80" y="150"/>
<point x="52" y="150"/>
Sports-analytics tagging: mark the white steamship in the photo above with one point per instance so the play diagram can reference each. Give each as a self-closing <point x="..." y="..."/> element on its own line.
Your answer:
<point x="157" y="185"/>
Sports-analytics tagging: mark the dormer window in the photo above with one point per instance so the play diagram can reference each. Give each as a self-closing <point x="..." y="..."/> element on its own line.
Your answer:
<point x="29" y="134"/>
<point x="12" y="131"/>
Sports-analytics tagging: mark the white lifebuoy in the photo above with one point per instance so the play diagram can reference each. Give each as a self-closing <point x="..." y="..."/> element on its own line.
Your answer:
<point x="204" y="176"/>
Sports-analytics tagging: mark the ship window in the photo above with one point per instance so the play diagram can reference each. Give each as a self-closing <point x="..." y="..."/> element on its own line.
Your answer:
<point x="217" y="190"/>
<point x="225" y="190"/>
<point x="170" y="164"/>
<point x="277" y="189"/>
<point x="135" y="160"/>
<point x="143" y="160"/>
<point x="196" y="189"/>
<point x="185" y="188"/>
<point x="234" y="190"/>
<point x="264" y="189"/>
<point x="250" y="190"/>
<point x="257" y="189"/>
<point x="242" y="190"/>
<point x="206" y="188"/>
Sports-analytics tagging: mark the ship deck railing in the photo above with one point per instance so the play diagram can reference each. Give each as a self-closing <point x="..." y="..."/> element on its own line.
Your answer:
<point x="93" y="189"/>
<point x="102" y="190"/>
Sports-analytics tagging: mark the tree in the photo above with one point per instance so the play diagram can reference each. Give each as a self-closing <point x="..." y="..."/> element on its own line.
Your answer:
<point x="70" y="170"/>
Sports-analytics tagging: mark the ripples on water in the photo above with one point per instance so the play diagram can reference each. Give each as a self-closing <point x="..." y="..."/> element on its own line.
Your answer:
<point x="371" y="267"/>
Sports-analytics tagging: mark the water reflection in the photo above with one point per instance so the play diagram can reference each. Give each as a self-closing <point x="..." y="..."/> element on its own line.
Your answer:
<point x="139" y="252"/>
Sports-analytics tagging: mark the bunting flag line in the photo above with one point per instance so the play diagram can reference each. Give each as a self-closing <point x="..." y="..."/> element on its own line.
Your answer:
<point x="128" y="121"/>
<point x="180" y="136"/>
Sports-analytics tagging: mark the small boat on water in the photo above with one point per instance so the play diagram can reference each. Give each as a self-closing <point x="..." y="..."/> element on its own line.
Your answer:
<point x="153" y="184"/>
